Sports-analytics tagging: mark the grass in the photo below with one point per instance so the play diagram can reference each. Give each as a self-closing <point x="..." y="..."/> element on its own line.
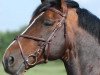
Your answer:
<point x="2" y="70"/>
<point x="51" y="68"/>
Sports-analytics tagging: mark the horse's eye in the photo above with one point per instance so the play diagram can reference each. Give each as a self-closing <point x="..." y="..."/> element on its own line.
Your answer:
<point x="48" y="22"/>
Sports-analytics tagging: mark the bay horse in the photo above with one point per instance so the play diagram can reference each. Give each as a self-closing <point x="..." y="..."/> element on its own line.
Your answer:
<point x="58" y="30"/>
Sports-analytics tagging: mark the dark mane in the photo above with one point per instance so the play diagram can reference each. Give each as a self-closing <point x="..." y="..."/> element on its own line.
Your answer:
<point x="45" y="6"/>
<point x="87" y="20"/>
<point x="39" y="9"/>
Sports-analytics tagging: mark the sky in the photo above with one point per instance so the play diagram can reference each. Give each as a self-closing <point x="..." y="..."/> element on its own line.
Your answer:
<point x="15" y="14"/>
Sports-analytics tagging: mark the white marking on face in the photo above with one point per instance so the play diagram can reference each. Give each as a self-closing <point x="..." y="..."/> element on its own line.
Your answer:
<point x="11" y="44"/>
<point x="32" y="23"/>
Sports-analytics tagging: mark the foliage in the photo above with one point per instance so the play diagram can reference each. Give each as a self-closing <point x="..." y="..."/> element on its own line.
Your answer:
<point x="6" y="38"/>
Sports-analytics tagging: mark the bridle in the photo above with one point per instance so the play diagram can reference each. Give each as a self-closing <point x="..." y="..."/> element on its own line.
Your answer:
<point x="45" y="47"/>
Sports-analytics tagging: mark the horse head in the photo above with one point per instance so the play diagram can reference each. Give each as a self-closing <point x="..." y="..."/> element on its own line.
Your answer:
<point x="44" y="39"/>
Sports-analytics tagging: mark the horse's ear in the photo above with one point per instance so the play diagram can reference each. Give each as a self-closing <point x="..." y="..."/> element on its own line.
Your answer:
<point x="43" y="1"/>
<point x="61" y="3"/>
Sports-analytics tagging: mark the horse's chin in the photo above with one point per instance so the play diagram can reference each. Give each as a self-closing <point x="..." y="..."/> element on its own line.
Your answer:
<point x="21" y="70"/>
<point x="17" y="74"/>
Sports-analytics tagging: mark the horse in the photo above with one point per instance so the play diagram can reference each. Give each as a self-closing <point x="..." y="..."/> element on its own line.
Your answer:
<point x="58" y="29"/>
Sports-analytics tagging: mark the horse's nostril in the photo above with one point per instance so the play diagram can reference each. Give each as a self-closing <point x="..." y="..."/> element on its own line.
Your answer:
<point x="10" y="61"/>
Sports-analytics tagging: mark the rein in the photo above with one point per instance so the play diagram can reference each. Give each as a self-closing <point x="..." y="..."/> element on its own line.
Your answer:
<point x="46" y="43"/>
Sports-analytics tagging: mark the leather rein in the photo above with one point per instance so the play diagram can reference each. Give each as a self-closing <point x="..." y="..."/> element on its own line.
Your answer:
<point x="46" y="43"/>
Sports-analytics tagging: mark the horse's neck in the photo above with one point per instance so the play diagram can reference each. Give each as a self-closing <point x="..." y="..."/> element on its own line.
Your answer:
<point x="89" y="53"/>
<point x="72" y="65"/>
<point x="85" y="58"/>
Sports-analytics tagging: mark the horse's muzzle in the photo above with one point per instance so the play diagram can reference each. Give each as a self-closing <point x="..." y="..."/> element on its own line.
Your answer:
<point x="8" y="63"/>
<point x="9" y="66"/>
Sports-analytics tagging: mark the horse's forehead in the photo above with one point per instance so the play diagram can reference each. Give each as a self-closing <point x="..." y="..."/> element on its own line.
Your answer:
<point x="51" y="14"/>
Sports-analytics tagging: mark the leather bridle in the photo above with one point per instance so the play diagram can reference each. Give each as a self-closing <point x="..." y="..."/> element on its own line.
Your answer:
<point x="46" y="43"/>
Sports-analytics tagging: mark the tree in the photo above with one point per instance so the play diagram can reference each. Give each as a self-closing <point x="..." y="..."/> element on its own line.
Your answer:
<point x="6" y="38"/>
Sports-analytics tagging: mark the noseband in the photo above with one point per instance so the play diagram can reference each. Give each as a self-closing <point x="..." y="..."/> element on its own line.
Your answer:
<point x="46" y="43"/>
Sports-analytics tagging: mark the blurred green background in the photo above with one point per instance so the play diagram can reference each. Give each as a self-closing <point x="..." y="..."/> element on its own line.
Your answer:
<point x="51" y="68"/>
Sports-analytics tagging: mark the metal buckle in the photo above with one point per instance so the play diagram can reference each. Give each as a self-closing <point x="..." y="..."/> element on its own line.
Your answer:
<point x="34" y="58"/>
